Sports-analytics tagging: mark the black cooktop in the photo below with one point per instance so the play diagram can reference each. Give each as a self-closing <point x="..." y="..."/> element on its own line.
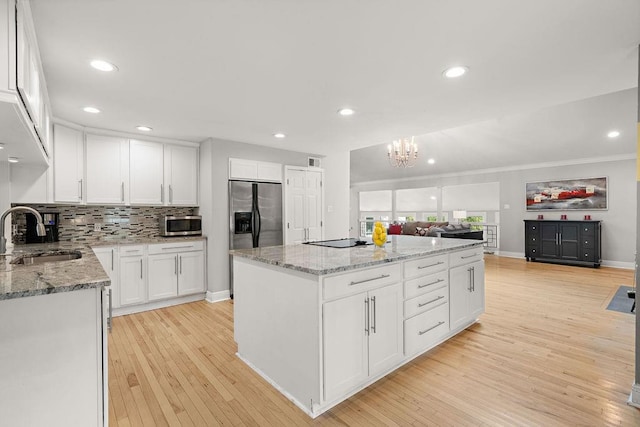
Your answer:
<point x="340" y="243"/>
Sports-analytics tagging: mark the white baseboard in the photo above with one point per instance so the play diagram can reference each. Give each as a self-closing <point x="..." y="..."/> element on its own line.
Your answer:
<point x="510" y="254"/>
<point x="218" y="296"/>
<point x="634" y="397"/>
<point x="605" y="263"/>
<point x="121" y="311"/>
<point x="618" y="264"/>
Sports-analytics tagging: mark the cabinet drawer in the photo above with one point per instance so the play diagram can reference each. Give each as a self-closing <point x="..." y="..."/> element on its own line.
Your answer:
<point x="415" y="287"/>
<point x="588" y="255"/>
<point x="588" y="229"/>
<point x="163" y="248"/>
<point x="588" y="242"/>
<point x="426" y="265"/>
<point x="425" y="330"/>
<point x="466" y="256"/>
<point x="426" y="302"/>
<point x="361" y="280"/>
<point x="131" y="250"/>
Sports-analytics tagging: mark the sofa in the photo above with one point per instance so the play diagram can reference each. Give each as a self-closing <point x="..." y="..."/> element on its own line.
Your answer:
<point x="436" y="229"/>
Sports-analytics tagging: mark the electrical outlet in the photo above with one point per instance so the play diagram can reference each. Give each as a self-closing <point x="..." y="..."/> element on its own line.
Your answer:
<point x="97" y="227"/>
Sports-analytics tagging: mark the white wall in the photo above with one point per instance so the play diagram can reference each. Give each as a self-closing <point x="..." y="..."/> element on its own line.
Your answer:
<point x="214" y="175"/>
<point x="619" y="221"/>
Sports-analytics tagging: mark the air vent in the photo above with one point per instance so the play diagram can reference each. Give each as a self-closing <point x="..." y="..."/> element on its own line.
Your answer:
<point x="314" y="162"/>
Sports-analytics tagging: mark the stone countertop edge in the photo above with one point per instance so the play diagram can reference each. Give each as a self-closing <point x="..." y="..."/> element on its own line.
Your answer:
<point x="18" y="281"/>
<point x="301" y="257"/>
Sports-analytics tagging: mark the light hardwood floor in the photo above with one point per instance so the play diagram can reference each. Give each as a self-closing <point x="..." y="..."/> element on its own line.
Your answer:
<point x="545" y="353"/>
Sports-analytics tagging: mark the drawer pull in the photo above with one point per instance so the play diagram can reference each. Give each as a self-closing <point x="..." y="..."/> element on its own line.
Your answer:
<point x="430" y="265"/>
<point x="431" y="283"/>
<point x="382" y="276"/>
<point x="429" y="302"/>
<point x="431" y="328"/>
<point x="469" y="256"/>
<point x="170" y="248"/>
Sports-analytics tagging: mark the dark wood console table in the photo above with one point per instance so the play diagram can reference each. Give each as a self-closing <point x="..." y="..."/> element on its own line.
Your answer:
<point x="563" y="241"/>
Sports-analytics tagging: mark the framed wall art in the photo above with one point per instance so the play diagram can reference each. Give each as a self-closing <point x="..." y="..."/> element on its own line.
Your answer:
<point x="567" y="194"/>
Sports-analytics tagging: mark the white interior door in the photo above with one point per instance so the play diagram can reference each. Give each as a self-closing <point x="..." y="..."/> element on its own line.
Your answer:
<point x="313" y="202"/>
<point x="295" y="207"/>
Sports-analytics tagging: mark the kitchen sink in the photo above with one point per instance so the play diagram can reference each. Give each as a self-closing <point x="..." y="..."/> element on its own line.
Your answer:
<point x="40" y="258"/>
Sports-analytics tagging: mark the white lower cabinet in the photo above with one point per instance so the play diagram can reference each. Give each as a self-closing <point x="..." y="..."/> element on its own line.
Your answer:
<point x="163" y="276"/>
<point x="190" y="272"/>
<point x="362" y="338"/>
<point x="144" y="277"/>
<point x="132" y="277"/>
<point x="466" y="293"/>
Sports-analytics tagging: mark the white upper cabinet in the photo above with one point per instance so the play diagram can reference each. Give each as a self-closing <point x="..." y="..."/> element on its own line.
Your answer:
<point x="68" y="184"/>
<point x="23" y="93"/>
<point x="253" y="170"/>
<point x="180" y="175"/>
<point x="146" y="173"/>
<point x="107" y="161"/>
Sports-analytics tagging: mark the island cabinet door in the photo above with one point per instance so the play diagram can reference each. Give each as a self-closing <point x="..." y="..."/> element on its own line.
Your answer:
<point x="466" y="293"/>
<point x="385" y="330"/>
<point x="345" y="324"/>
<point x="163" y="276"/>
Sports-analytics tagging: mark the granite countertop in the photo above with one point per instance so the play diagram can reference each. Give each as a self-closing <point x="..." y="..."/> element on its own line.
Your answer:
<point x="320" y="260"/>
<point x="133" y="240"/>
<point x="17" y="281"/>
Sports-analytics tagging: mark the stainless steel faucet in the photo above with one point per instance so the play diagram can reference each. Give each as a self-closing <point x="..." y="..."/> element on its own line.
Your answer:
<point x="40" y="230"/>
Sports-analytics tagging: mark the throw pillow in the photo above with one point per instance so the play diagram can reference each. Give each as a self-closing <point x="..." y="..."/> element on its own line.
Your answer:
<point x="395" y="229"/>
<point x="458" y="226"/>
<point x="449" y="227"/>
<point x="421" y="231"/>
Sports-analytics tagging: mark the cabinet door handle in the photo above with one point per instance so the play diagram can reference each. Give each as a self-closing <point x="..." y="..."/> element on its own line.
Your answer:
<point x="170" y="194"/>
<point x="111" y="261"/>
<point x="470" y="279"/>
<point x="175" y="265"/>
<point x="180" y="258"/>
<point x="161" y="193"/>
<point x="122" y="191"/>
<point x="366" y="315"/>
<point x="473" y="279"/>
<point x="559" y="238"/>
<point x="430" y="283"/>
<point x="110" y="319"/>
<point x="373" y="325"/>
<point x="80" y="185"/>
<point x="431" y="328"/>
<point x="141" y="269"/>
<point x="433" y="300"/>
<point x="430" y="265"/>
<point x="382" y="276"/>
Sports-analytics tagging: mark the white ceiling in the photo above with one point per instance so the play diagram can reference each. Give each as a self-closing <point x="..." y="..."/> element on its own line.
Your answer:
<point x="244" y="69"/>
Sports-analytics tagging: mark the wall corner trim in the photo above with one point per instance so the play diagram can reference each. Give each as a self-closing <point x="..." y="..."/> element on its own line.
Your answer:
<point x="217" y="296"/>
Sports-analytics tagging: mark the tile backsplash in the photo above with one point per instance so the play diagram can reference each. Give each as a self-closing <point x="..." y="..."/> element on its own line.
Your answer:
<point x="77" y="222"/>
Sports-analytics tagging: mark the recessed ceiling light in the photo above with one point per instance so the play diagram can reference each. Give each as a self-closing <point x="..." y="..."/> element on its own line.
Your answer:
<point x="346" y="111"/>
<point x="433" y="197"/>
<point x="1" y="146"/>
<point x="92" y="110"/>
<point x="144" y="128"/>
<point x="431" y="161"/>
<point x="453" y="72"/>
<point x="13" y="160"/>
<point x="279" y="135"/>
<point x="613" y="134"/>
<point x="101" y="65"/>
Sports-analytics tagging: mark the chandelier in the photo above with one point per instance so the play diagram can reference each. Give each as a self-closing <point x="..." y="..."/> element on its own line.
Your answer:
<point x="403" y="153"/>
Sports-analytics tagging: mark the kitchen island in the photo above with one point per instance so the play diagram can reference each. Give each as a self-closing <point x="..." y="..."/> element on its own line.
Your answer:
<point x="53" y="341"/>
<point x="321" y="324"/>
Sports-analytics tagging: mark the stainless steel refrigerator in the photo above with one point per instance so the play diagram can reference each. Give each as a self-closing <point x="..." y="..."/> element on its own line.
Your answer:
<point x="255" y="216"/>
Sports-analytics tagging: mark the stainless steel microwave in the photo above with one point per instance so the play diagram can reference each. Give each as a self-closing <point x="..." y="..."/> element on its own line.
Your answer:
<point x="190" y="225"/>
